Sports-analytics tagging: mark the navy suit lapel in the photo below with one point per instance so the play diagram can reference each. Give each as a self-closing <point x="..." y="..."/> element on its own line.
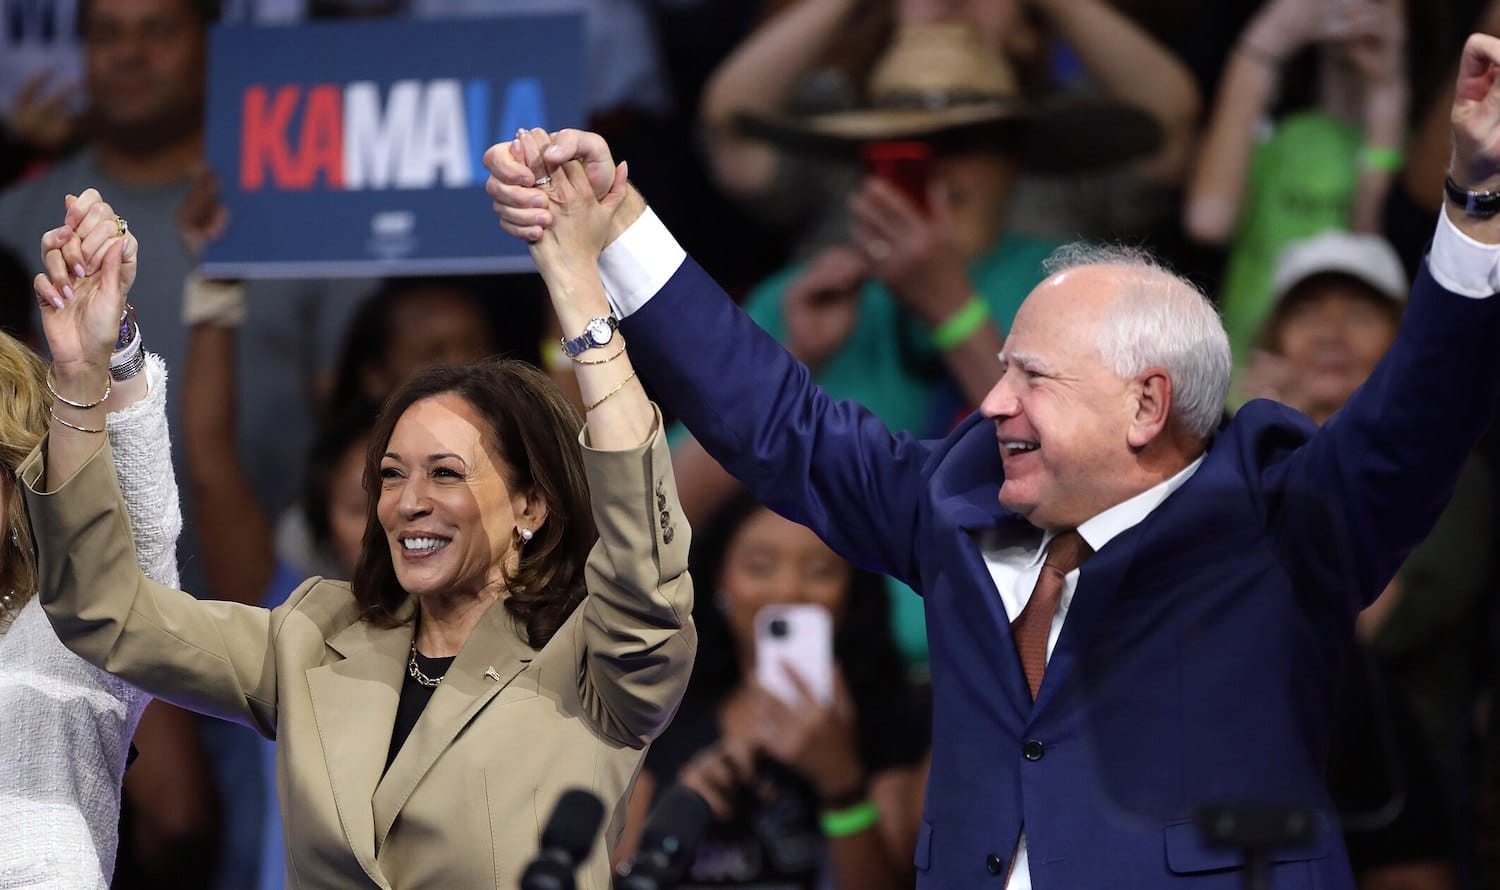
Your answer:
<point x="1164" y="536"/>
<point x="1099" y="582"/>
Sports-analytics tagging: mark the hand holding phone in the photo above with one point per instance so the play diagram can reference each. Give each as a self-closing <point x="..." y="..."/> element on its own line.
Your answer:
<point x="799" y="637"/>
<point x="906" y="165"/>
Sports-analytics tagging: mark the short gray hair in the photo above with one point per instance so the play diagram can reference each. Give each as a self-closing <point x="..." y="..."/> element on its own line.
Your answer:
<point x="1159" y="319"/>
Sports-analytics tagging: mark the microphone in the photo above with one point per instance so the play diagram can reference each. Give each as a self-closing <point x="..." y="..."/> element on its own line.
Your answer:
<point x="566" y="840"/>
<point x="671" y="836"/>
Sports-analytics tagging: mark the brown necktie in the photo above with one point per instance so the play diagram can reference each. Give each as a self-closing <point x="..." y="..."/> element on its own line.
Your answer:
<point x="1066" y="552"/>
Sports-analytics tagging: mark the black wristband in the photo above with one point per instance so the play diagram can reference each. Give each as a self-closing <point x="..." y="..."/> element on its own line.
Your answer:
<point x="1480" y="205"/>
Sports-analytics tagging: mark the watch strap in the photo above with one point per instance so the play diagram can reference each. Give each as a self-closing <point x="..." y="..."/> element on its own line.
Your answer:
<point x="1481" y="205"/>
<point x="575" y="346"/>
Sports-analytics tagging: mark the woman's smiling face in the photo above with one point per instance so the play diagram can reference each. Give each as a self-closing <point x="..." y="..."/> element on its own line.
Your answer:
<point x="446" y="504"/>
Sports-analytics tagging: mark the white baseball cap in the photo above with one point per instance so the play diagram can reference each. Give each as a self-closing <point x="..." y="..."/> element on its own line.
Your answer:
<point x="1366" y="258"/>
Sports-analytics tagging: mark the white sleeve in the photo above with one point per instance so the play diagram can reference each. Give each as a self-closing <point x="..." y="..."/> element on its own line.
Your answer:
<point x="1461" y="264"/>
<point x="141" y="444"/>
<point x="638" y="263"/>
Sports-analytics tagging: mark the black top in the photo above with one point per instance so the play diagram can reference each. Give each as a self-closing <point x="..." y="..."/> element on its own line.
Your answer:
<point x="414" y="699"/>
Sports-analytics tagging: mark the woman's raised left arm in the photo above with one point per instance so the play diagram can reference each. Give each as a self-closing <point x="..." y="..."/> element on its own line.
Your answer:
<point x="637" y="641"/>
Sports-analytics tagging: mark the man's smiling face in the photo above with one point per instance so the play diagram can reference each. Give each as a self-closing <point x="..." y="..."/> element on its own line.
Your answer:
<point x="1062" y="415"/>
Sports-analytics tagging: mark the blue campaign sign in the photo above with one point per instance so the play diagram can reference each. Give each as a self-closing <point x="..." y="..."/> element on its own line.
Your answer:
<point x="356" y="148"/>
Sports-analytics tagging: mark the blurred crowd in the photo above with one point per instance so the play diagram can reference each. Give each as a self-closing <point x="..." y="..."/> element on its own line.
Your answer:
<point x="1288" y="155"/>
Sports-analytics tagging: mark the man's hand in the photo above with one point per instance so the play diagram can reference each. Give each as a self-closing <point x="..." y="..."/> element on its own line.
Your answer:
<point x="1476" y="133"/>
<point x="522" y="206"/>
<point x="41" y="116"/>
<point x="580" y="221"/>
<point x="821" y="306"/>
<point x="202" y="218"/>
<point x="1476" y="116"/>
<point x="916" y="255"/>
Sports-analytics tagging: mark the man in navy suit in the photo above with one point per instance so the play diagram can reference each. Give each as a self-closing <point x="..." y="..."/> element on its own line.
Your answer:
<point x="1198" y="587"/>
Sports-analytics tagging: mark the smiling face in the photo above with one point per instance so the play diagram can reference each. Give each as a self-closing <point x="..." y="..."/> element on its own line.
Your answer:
<point x="447" y="509"/>
<point x="1068" y="426"/>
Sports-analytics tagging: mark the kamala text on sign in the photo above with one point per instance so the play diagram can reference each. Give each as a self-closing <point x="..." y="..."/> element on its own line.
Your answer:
<point x="415" y="135"/>
<point x="356" y="148"/>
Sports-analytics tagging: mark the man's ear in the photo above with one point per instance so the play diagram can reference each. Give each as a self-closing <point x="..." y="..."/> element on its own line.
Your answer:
<point x="1151" y="402"/>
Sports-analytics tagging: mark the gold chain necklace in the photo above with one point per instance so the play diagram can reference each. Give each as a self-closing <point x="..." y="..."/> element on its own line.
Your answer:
<point x="416" y="672"/>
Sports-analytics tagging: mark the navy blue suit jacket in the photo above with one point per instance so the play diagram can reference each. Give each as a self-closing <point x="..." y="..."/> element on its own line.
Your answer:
<point x="1204" y="646"/>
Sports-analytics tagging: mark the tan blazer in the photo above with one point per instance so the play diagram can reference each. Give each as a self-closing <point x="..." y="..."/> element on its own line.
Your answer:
<point x="509" y="729"/>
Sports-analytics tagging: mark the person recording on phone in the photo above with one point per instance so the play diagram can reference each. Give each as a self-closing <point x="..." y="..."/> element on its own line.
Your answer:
<point x="805" y="791"/>
<point x="1134" y="612"/>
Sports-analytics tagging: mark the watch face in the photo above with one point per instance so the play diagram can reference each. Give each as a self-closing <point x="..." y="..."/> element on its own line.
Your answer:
<point x="599" y="331"/>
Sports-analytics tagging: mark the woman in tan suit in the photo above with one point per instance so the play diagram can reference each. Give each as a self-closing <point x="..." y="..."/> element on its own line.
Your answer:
<point x="489" y="653"/>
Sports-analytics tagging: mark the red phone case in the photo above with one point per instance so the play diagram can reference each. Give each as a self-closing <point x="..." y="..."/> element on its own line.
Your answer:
<point x="906" y="165"/>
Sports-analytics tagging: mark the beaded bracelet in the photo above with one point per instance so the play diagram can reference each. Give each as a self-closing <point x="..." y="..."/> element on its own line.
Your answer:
<point x="600" y="400"/>
<point x="850" y="821"/>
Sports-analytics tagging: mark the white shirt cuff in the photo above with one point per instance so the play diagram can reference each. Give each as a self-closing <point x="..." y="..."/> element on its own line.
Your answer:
<point x="1461" y="264"/>
<point x="639" y="263"/>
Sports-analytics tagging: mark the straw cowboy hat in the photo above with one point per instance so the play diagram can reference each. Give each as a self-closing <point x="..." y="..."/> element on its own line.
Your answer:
<point x="938" y="84"/>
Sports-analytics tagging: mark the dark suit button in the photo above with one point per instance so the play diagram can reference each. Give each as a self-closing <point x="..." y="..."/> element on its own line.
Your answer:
<point x="994" y="863"/>
<point x="1033" y="750"/>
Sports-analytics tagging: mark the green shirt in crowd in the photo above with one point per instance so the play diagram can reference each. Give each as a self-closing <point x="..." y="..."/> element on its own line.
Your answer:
<point x="1302" y="182"/>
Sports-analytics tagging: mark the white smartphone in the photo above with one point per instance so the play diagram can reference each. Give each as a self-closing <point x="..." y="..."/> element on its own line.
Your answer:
<point x="799" y="637"/>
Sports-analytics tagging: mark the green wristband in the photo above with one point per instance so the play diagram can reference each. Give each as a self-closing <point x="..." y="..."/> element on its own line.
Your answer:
<point x="961" y="325"/>
<point x="850" y="821"/>
<point x="1387" y="160"/>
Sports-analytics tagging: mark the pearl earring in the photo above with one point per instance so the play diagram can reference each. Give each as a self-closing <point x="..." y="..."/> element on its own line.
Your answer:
<point x="526" y="534"/>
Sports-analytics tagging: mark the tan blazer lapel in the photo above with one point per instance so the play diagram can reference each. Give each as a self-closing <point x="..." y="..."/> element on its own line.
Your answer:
<point x="490" y="659"/>
<point x="354" y="704"/>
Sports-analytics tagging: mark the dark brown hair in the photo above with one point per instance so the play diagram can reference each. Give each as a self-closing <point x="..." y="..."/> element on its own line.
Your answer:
<point x="534" y="431"/>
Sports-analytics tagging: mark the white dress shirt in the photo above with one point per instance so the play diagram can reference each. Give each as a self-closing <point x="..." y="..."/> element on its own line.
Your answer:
<point x="645" y="256"/>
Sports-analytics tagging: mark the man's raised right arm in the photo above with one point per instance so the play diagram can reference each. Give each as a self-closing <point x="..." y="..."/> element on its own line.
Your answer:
<point x="831" y="465"/>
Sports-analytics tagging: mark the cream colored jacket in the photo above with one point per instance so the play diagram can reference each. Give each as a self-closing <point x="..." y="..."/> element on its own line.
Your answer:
<point x="508" y="731"/>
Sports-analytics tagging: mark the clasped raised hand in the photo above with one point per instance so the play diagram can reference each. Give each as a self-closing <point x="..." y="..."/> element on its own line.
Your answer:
<point x="1476" y="116"/>
<point x="578" y="221"/>
<point x="90" y="263"/>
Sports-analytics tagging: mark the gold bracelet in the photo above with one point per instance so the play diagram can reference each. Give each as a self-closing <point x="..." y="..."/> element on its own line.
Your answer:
<point x="72" y="426"/>
<point x="66" y="401"/>
<point x="600" y="401"/>
<point x="600" y="361"/>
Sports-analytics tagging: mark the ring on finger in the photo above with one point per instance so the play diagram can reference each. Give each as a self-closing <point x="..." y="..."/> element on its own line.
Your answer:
<point x="122" y="227"/>
<point x="543" y="181"/>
